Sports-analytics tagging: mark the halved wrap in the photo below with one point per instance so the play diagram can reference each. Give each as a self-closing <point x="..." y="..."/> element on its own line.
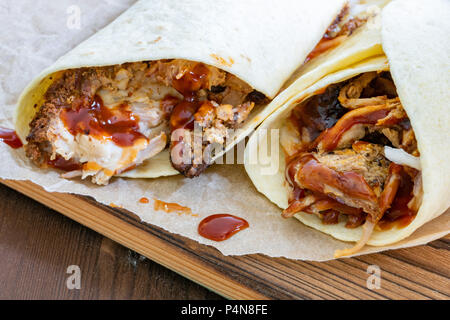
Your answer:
<point x="164" y="68"/>
<point x="363" y="152"/>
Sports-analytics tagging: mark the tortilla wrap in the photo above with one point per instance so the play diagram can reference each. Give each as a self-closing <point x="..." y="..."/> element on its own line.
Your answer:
<point x="260" y="49"/>
<point x="413" y="36"/>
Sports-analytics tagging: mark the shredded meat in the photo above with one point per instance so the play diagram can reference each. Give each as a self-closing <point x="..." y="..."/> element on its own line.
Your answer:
<point x="363" y="158"/>
<point x="339" y="168"/>
<point x="347" y="186"/>
<point x="342" y="27"/>
<point x="350" y="95"/>
<point x="165" y="71"/>
<point x="212" y="114"/>
<point x="371" y="117"/>
<point x="149" y="100"/>
<point x="213" y="122"/>
<point x="299" y="205"/>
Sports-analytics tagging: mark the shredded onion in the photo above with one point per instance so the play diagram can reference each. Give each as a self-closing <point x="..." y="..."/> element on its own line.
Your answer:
<point x="368" y="228"/>
<point x="400" y="156"/>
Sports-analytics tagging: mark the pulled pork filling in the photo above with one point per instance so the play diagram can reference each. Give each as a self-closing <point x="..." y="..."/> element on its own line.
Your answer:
<point x="336" y="163"/>
<point x="342" y="27"/>
<point x="103" y="121"/>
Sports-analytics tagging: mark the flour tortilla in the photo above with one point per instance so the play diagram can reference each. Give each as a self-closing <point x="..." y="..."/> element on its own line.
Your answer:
<point x="414" y="36"/>
<point x="260" y="41"/>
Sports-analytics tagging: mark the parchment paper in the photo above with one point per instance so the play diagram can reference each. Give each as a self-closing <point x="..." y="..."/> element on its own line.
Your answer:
<point x="35" y="33"/>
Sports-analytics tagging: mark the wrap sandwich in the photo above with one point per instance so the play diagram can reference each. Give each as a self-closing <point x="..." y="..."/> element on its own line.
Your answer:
<point x="363" y="151"/>
<point x="131" y="99"/>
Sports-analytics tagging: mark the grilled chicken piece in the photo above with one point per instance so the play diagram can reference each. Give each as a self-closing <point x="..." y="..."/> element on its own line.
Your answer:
<point x="105" y="120"/>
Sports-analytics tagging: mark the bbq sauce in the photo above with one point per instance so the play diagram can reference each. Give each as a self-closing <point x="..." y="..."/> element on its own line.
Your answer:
<point x="10" y="137"/>
<point x="171" y="207"/>
<point x="64" y="165"/>
<point x="192" y="81"/>
<point x="330" y="217"/>
<point x="316" y="177"/>
<point x="325" y="44"/>
<point x="336" y="33"/>
<point x="220" y="227"/>
<point x="319" y="115"/>
<point x="331" y="137"/>
<point x="144" y="200"/>
<point x="399" y="214"/>
<point x="93" y="118"/>
<point x="183" y="115"/>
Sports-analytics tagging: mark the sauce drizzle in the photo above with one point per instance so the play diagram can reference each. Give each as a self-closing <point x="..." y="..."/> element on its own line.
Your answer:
<point x="93" y="118"/>
<point x="10" y="137"/>
<point x="220" y="227"/>
<point x="399" y="215"/>
<point x="192" y="81"/>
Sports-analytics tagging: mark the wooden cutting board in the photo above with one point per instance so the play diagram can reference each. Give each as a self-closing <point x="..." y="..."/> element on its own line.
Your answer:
<point x="413" y="273"/>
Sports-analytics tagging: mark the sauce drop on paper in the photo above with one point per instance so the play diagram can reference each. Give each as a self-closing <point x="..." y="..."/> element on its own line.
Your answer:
<point x="144" y="200"/>
<point x="220" y="227"/>
<point x="10" y="137"/>
<point x="171" y="207"/>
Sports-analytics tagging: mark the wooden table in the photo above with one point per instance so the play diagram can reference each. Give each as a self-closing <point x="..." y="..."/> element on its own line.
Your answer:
<point x="38" y="244"/>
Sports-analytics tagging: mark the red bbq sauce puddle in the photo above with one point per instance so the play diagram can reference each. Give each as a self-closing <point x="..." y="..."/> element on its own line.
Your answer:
<point x="10" y="137"/>
<point x="220" y="227"/>
<point x="93" y="118"/>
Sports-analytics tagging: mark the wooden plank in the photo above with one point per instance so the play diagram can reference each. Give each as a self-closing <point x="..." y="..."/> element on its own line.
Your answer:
<point x="415" y="273"/>
<point x="38" y="244"/>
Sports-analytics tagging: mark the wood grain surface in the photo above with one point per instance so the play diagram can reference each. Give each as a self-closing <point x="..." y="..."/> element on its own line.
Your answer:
<point x="38" y="244"/>
<point x="414" y="273"/>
